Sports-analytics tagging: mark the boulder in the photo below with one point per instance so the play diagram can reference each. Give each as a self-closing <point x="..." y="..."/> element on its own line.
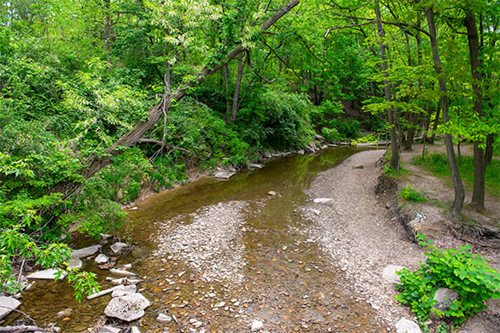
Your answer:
<point x="389" y="273"/>
<point x="7" y="305"/>
<point x="128" y="307"/>
<point x="407" y="326"/>
<point x="322" y="200"/>
<point x="48" y="274"/>
<point x="124" y="290"/>
<point x="86" y="251"/>
<point x="101" y="259"/>
<point x="444" y="297"/>
<point x="118" y="247"/>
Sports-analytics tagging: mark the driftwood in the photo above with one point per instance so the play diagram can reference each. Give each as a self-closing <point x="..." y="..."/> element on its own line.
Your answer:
<point x="135" y="135"/>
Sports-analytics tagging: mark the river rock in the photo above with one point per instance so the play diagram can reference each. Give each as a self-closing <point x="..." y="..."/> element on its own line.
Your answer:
<point x="118" y="247"/>
<point x="253" y="166"/>
<point x="224" y="174"/>
<point x="121" y="272"/>
<point x="124" y="290"/>
<point x="48" y="274"/>
<point x="389" y="273"/>
<point x="322" y="200"/>
<point x="128" y="307"/>
<point x="163" y="318"/>
<point x="444" y="297"/>
<point x="76" y="263"/>
<point x="101" y="259"/>
<point x="407" y="326"/>
<point x="64" y="313"/>
<point x="7" y="305"/>
<point x="110" y="329"/>
<point x="86" y="251"/>
<point x="257" y="325"/>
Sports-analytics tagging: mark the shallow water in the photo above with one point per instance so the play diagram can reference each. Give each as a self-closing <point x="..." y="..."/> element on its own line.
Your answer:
<point x="288" y="283"/>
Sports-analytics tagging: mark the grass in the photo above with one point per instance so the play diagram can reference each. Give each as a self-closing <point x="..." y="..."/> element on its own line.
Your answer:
<point x="410" y="194"/>
<point x="437" y="163"/>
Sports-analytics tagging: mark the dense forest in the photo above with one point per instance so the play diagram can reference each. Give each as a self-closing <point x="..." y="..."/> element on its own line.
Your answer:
<point x="100" y="99"/>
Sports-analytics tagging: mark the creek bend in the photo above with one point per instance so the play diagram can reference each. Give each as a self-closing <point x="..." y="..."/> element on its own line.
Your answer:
<point x="262" y="264"/>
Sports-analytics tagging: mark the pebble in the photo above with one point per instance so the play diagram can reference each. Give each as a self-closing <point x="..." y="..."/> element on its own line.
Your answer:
<point x="257" y="325"/>
<point x="163" y="318"/>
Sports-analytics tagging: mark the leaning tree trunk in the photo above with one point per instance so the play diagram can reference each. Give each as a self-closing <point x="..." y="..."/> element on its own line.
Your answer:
<point x="477" y="201"/>
<point x="387" y="92"/>
<point x="97" y="162"/>
<point x="458" y="201"/>
<point x="236" y="95"/>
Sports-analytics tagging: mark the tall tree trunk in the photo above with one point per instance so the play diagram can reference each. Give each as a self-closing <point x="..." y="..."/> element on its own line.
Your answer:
<point x="488" y="154"/>
<point x="107" y="30"/>
<point x="458" y="201"/>
<point x="237" y="86"/>
<point x="225" y="75"/>
<point x="387" y="92"/>
<point x="477" y="201"/>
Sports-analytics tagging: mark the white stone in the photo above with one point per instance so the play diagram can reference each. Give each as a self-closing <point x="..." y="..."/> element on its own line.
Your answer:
<point x="255" y="166"/>
<point x="128" y="307"/>
<point x="110" y="329"/>
<point x="272" y="193"/>
<point x="86" y="251"/>
<point x="444" y="297"/>
<point x="389" y="273"/>
<point x="76" y="263"/>
<point x="48" y="274"/>
<point x="118" y="247"/>
<point x="224" y="174"/>
<point x="124" y="290"/>
<point x="101" y="259"/>
<point x="121" y="272"/>
<point x="322" y="200"/>
<point x="407" y="326"/>
<point x="7" y="305"/>
<point x="257" y="325"/>
<point x="163" y="318"/>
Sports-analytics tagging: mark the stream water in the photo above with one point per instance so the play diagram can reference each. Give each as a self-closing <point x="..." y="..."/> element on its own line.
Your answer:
<point x="286" y="281"/>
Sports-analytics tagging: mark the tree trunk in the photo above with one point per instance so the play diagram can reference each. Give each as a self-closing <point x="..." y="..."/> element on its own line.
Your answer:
<point x="236" y="95"/>
<point x="458" y="201"/>
<point x="225" y="75"/>
<point x="96" y="163"/>
<point x="477" y="201"/>
<point x="488" y="154"/>
<point x="387" y="92"/>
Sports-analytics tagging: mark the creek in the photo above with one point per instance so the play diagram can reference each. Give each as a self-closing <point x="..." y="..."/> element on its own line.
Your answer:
<point x="283" y="279"/>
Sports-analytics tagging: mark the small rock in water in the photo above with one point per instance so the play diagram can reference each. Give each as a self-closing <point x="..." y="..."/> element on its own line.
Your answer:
<point x="7" y="305"/>
<point x="257" y="325"/>
<point x="121" y="272"/>
<point x="163" y="318"/>
<point x="76" y="263"/>
<point x="86" y="251"/>
<point x="110" y="329"/>
<point x="255" y="166"/>
<point x="219" y="305"/>
<point x="224" y="174"/>
<point x="407" y="326"/>
<point x="101" y="259"/>
<point x="64" y="313"/>
<point x="272" y="193"/>
<point x="48" y="274"/>
<point x="118" y="247"/>
<point x="322" y="200"/>
<point x="124" y="290"/>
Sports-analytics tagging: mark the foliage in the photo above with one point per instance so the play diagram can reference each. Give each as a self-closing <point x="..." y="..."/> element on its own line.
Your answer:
<point x="410" y="194"/>
<point x="438" y="164"/>
<point x="330" y="134"/>
<point x="458" y="269"/>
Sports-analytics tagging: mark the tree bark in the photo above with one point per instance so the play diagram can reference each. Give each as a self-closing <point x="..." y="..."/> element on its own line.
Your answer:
<point x="225" y="75"/>
<point x="458" y="201"/>
<point x="96" y="163"/>
<point x="392" y="115"/>
<point x="237" y="86"/>
<point x="477" y="201"/>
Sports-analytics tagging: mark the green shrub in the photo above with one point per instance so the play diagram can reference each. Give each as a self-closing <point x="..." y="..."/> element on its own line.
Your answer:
<point x="458" y="269"/>
<point x="330" y="134"/>
<point x="410" y="194"/>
